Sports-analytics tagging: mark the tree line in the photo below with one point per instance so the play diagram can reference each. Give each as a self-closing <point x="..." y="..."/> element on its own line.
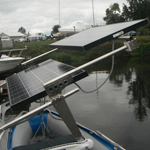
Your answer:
<point x="136" y="9"/>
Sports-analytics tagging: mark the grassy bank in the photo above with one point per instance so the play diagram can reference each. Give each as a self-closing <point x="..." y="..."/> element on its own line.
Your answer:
<point x="77" y="58"/>
<point x="144" y="46"/>
<point x="34" y="48"/>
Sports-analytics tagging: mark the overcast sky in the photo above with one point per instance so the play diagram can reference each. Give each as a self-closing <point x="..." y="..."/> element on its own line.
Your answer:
<point x="41" y="15"/>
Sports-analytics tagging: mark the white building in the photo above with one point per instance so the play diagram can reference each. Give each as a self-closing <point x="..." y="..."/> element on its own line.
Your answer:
<point x="15" y="36"/>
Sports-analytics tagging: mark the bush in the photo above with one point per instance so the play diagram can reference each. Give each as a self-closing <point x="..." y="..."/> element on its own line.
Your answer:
<point x="62" y="57"/>
<point x="144" y="30"/>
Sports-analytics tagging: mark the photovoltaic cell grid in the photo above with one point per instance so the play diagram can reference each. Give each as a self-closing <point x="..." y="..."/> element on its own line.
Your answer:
<point x="95" y="36"/>
<point x="27" y="86"/>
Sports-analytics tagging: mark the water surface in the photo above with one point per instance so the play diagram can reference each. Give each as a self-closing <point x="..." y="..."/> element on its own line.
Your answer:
<point x="121" y="108"/>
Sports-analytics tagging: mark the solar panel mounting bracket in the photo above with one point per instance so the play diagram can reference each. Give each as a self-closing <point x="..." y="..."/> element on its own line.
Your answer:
<point x="116" y="35"/>
<point x="62" y="108"/>
<point x="55" y="88"/>
<point x="124" y="38"/>
<point x="132" y="45"/>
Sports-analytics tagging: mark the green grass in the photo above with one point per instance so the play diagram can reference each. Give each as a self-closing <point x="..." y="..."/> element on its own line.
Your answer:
<point x="34" y="48"/>
<point x="144" y="46"/>
<point x="143" y="39"/>
<point x="77" y="58"/>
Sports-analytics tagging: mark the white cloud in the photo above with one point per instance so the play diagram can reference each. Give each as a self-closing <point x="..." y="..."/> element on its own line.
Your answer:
<point x="41" y="16"/>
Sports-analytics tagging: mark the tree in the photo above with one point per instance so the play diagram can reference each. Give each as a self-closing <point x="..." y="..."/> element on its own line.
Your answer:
<point x="144" y="30"/>
<point x="137" y="9"/>
<point x="113" y="14"/>
<point x="55" y="28"/>
<point x="115" y="7"/>
<point x="22" y="30"/>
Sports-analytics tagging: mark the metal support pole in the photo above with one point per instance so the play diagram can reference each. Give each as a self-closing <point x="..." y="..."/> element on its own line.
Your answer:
<point x="86" y="65"/>
<point x="31" y="114"/>
<point x="93" y="14"/>
<point x="25" y="117"/>
<point x="33" y="59"/>
<point x="20" y="53"/>
<point x="9" y="53"/>
<point x="62" y="108"/>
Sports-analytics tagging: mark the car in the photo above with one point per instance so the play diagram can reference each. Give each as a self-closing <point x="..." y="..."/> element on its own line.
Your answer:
<point x="5" y="38"/>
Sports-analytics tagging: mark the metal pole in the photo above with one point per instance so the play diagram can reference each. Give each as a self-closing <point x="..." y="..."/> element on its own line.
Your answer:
<point x="93" y="14"/>
<point x="12" y="50"/>
<point x="71" y="92"/>
<point x="25" y="117"/>
<point x="59" y="11"/>
<point x="32" y="113"/>
<point x="26" y="62"/>
<point x="87" y="64"/>
<point x="20" y="53"/>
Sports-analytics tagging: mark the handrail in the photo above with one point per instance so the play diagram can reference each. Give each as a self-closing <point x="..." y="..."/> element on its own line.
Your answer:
<point x="13" y="50"/>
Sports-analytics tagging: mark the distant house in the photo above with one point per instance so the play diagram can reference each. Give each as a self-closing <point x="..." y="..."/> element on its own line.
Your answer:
<point x="37" y="37"/>
<point x="15" y="36"/>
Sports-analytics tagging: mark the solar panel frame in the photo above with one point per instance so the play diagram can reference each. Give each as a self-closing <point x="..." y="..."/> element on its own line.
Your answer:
<point x="27" y="86"/>
<point x="95" y="36"/>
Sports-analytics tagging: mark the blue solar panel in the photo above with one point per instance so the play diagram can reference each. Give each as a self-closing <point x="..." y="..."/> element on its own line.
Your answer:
<point x="27" y="86"/>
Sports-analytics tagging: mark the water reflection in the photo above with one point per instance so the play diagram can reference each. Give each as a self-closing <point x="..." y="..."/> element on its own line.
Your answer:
<point x="97" y="92"/>
<point x="140" y="91"/>
<point x="138" y="87"/>
<point x="135" y="72"/>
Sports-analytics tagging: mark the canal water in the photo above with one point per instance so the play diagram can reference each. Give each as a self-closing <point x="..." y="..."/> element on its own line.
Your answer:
<point x="120" y="109"/>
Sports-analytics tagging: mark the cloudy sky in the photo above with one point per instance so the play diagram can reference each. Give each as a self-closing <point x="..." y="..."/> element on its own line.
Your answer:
<point x="41" y="15"/>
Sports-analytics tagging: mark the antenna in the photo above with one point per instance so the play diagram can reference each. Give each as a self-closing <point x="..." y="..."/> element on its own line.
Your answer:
<point x="59" y="10"/>
<point x="93" y="14"/>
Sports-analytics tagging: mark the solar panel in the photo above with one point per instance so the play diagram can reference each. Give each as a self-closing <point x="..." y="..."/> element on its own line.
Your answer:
<point x="95" y="36"/>
<point x="27" y="86"/>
